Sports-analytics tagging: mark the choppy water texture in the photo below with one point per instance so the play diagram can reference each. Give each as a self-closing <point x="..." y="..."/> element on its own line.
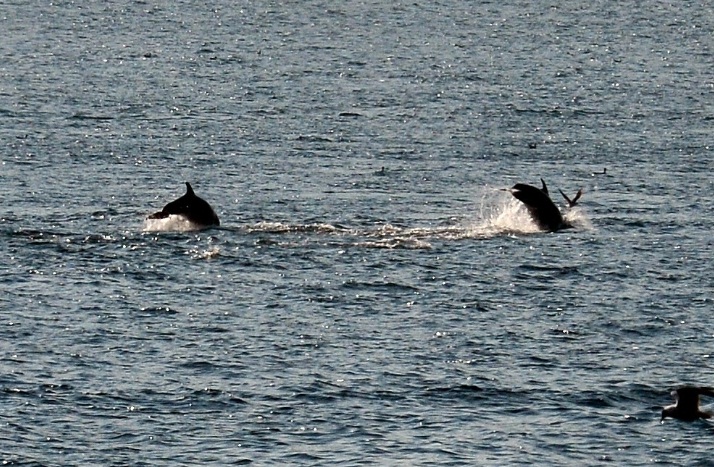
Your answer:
<point x="373" y="296"/>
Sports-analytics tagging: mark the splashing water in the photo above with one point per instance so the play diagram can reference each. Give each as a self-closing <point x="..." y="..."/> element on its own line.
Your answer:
<point x="502" y="214"/>
<point x="172" y="223"/>
<point x="577" y="217"/>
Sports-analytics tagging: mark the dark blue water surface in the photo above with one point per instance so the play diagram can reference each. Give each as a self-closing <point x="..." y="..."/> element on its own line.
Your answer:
<point x="373" y="296"/>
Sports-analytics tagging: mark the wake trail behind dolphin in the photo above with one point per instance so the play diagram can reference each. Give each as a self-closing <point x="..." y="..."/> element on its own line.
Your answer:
<point x="498" y="214"/>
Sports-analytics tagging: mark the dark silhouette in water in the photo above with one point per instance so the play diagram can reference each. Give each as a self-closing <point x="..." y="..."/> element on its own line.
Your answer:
<point x="604" y="172"/>
<point x="686" y="407"/>
<point x="541" y="208"/>
<point x="191" y="207"/>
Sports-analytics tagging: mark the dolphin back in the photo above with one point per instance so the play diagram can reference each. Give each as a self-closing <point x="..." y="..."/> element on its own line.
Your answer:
<point x="192" y="207"/>
<point x="541" y="208"/>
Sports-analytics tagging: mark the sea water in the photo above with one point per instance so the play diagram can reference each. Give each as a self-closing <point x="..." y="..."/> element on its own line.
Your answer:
<point x="374" y="295"/>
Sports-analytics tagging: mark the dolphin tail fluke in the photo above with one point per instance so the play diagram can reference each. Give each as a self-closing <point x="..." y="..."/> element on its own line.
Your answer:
<point x="574" y="201"/>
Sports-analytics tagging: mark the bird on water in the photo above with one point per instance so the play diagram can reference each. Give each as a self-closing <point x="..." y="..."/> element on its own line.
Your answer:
<point x="686" y="406"/>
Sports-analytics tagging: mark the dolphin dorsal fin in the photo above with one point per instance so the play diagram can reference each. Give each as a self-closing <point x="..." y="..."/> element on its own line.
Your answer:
<point x="545" y="187"/>
<point x="189" y="190"/>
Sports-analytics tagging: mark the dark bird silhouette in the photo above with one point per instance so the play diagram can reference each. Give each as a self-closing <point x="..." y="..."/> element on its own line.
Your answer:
<point x="686" y="407"/>
<point x="574" y="201"/>
<point x="191" y="207"/>
<point x="604" y="172"/>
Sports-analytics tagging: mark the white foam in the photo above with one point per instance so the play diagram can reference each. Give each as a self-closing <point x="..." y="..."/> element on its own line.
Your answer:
<point x="577" y="217"/>
<point x="205" y="254"/>
<point x="506" y="215"/>
<point x="280" y="227"/>
<point x="499" y="213"/>
<point x="172" y="223"/>
<point x="396" y="242"/>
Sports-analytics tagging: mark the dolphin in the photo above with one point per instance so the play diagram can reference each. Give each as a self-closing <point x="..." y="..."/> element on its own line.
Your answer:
<point x="541" y="208"/>
<point x="686" y="407"/>
<point x="191" y="207"/>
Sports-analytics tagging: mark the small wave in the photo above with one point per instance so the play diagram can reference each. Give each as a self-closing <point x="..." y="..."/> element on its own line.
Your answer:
<point x="86" y="116"/>
<point x="379" y="285"/>
<point x="279" y="227"/>
<point x="460" y="391"/>
<point x="159" y="310"/>
<point x="205" y="254"/>
<point x="314" y="139"/>
<point x="388" y="230"/>
<point x="394" y="243"/>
